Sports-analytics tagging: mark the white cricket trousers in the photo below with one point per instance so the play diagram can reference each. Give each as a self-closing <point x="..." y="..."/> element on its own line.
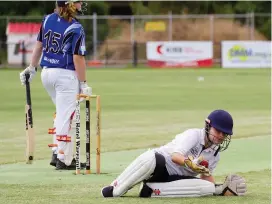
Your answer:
<point x="62" y="85"/>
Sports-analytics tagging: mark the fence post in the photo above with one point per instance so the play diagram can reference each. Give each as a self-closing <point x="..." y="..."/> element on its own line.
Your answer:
<point x="132" y="29"/>
<point x="135" y="54"/>
<point x="107" y="53"/>
<point x="133" y="42"/>
<point x="7" y="21"/>
<point x="170" y="25"/>
<point x="247" y="23"/>
<point x="252" y="30"/>
<point x="23" y="54"/>
<point x="94" y="35"/>
<point x="211" y="28"/>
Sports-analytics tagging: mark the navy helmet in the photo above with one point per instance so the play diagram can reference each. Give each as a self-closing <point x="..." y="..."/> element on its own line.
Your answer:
<point x="63" y="3"/>
<point x="223" y="122"/>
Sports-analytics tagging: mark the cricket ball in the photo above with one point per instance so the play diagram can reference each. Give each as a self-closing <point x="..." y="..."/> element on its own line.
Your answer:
<point x="204" y="163"/>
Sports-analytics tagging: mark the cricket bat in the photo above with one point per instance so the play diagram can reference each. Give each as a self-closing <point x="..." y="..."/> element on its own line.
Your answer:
<point x="30" y="136"/>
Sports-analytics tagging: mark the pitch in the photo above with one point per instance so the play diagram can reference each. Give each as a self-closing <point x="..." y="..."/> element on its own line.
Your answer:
<point x="141" y="109"/>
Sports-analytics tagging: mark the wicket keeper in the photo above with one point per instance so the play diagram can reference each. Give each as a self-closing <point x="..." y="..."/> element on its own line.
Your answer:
<point x="171" y="170"/>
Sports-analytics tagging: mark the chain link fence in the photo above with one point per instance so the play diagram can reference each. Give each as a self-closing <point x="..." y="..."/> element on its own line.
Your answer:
<point x="111" y="39"/>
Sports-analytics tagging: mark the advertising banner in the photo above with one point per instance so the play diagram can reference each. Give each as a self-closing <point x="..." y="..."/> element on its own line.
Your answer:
<point x="180" y="54"/>
<point x="246" y="54"/>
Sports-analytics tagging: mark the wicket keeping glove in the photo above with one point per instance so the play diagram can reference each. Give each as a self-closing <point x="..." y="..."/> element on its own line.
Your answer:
<point x="29" y="70"/>
<point x="85" y="89"/>
<point x="234" y="185"/>
<point x="194" y="166"/>
<point x="201" y="161"/>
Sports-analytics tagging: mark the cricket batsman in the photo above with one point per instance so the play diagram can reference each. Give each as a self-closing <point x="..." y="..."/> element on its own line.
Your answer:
<point x="184" y="167"/>
<point x="61" y="50"/>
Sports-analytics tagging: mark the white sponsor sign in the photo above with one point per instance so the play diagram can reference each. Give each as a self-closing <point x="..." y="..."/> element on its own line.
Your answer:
<point x="15" y="49"/>
<point x="179" y="53"/>
<point x="246" y="54"/>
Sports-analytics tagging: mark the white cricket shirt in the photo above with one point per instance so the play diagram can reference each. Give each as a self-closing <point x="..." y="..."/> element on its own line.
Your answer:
<point x="190" y="142"/>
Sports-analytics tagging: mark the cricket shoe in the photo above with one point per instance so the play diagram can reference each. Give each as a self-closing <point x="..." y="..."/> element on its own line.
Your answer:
<point x="107" y="191"/>
<point x="54" y="160"/>
<point x="144" y="190"/>
<point x="62" y="166"/>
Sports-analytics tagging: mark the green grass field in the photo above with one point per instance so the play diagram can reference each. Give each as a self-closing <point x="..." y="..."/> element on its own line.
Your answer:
<point x="141" y="109"/>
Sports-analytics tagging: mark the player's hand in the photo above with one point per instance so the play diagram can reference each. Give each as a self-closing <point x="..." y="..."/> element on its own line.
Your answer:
<point x="201" y="161"/>
<point x="85" y="89"/>
<point x="29" y="70"/>
<point x="192" y="163"/>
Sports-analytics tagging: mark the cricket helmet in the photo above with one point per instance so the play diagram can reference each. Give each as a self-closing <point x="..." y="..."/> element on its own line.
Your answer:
<point x="63" y="3"/>
<point x="223" y="122"/>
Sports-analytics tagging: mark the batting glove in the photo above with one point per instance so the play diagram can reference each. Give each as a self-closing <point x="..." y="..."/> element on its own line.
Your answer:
<point x="85" y="89"/>
<point x="194" y="166"/>
<point x="29" y="70"/>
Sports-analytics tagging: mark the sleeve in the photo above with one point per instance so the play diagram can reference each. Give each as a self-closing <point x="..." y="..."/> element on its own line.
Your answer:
<point x="40" y="35"/>
<point x="78" y="43"/>
<point x="184" y="142"/>
<point x="39" y="38"/>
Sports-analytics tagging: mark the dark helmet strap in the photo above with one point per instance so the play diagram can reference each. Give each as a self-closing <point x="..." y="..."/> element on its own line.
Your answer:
<point x="218" y="149"/>
<point x="207" y="130"/>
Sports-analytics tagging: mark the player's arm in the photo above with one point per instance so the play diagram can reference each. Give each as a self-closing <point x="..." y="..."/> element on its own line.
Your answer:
<point x="211" y="166"/>
<point x="184" y="142"/>
<point x="79" y="51"/>
<point x="189" y="162"/>
<point x="37" y="51"/>
<point x="36" y="54"/>
<point x="209" y="178"/>
<point x="178" y="158"/>
<point x="80" y="66"/>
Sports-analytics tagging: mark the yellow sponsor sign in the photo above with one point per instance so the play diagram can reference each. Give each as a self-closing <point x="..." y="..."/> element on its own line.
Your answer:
<point x="155" y="26"/>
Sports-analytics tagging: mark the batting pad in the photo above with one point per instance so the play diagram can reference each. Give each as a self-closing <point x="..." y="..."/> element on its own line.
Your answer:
<point x="140" y="169"/>
<point x="182" y="188"/>
<point x="68" y="147"/>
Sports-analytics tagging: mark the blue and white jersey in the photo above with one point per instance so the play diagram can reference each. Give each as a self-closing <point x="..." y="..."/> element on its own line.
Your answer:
<point x="61" y="40"/>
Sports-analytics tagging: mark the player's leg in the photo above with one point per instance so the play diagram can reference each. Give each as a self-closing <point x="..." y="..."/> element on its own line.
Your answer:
<point x="53" y="146"/>
<point x="48" y="81"/>
<point x="147" y="165"/>
<point x="67" y="88"/>
<point x="192" y="187"/>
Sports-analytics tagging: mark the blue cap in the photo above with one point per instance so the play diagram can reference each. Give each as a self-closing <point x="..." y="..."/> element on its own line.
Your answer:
<point x="222" y="121"/>
<point x="61" y="3"/>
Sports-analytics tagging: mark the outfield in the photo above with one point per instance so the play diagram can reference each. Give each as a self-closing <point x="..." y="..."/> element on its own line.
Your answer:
<point x="141" y="109"/>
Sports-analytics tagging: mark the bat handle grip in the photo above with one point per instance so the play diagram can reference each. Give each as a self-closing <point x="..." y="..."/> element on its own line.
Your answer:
<point x="27" y="76"/>
<point x="28" y="96"/>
